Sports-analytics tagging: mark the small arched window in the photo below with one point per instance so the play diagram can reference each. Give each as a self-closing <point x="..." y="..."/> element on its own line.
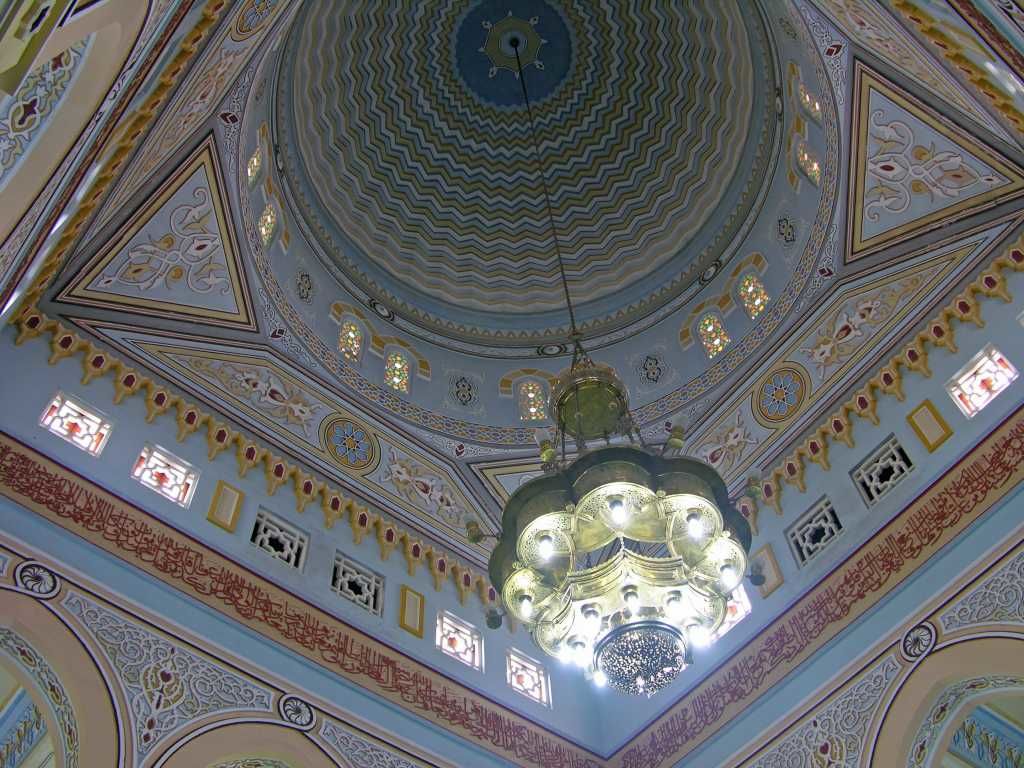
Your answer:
<point x="810" y="103"/>
<point x="808" y="162"/>
<point x="268" y="223"/>
<point x="712" y="334"/>
<point x="531" y="401"/>
<point x="396" y="371"/>
<point x="255" y="165"/>
<point x="753" y="295"/>
<point x="350" y="340"/>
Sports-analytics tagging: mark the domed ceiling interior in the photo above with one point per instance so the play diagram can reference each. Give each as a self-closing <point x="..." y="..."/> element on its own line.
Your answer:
<point x="689" y="149"/>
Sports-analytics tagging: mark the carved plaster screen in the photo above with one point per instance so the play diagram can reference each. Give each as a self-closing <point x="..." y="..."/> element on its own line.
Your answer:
<point x="77" y="424"/>
<point x="165" y="473"/>
<point x="977" y="383"/>
<point x="880" y="472"/>
<point x="528" y="677"/>
<point x="280" y="540"/>
<point x="358" y="584"/>
<point x="813" y="532"/>
<point x="460" y="640"/>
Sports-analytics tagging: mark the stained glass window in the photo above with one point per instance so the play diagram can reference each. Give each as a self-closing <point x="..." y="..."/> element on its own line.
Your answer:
<point x="76" y="424"/>
<point x="713" y="334"/>
<point x="350" y="340"/>
<point x="977" y="383"/>
<point x="753" y="295"/>
<point x="808" y="163"/>
<point x="166" y="474"/>
<point x="531" y="402"/>
<point x="268" y="223"/>
<point x="810" y="103"/>
<point x="460" y="640"/>
<point x="255" y="165"/>
<point x="396" y="371"/>
<point x="527" y="677"/>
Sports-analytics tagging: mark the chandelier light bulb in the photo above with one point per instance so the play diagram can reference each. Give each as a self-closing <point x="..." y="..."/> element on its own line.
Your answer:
<point x="695" y="525"/>
<point x="618" y="510"/>
<point x="632" y="601"/>
<point x="580" y="653"/>
<point x="592" y="620"/>
<point x="729" y="576"/>
<point x="674" y="607"/>
<point x="526" y="606"/>
<point x="545" y="547"/>
<point x="699" y="635"/>
<point x="600" y="679"/>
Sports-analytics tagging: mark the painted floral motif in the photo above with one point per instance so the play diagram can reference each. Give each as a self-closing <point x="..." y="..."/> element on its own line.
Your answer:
<point x="191" y="254"/>
<point x="165" y="685"/>
<point x="350" y="443"/>
<point x="949" y="701"/>
<point x="24" y="115"/>
<point x="270" y="394"/>
<point x="727" y="446"/>
<point x="853" y="324"/>
<point x="835" y="735"/>
<point x="901" y="170"/>
<point x="781" y="395"/>
<point x="424" y="489"/>
<point x="359" y="752"/>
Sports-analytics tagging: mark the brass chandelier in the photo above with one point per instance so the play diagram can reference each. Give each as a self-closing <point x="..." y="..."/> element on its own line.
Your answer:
<point x="623" y="559"/>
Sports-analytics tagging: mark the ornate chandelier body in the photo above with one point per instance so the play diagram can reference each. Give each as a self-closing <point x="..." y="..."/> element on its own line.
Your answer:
<point x="621" y="560"/>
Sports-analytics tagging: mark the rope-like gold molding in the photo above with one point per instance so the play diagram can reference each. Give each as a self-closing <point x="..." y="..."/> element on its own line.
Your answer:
<point x="249" y="453"/>
<point x="953" y="52"/>
<point x="134" y="126"/>
<point x="965" y="308"/>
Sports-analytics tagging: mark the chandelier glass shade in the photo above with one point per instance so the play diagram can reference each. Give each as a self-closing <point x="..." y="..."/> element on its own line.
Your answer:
<point x="622" y="560"/>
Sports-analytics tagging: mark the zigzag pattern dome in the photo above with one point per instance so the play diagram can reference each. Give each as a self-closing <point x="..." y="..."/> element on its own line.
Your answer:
<point x="408" y="158"/>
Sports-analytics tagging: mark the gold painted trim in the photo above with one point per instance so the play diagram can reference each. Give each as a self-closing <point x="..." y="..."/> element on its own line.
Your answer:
<point x="947" y="431"/>
<point x="408" y="594"/>
<point x="222" y="490"/>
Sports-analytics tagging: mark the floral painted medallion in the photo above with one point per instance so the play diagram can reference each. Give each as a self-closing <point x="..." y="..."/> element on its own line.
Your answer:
<point x="781" y="394"/>
<point x="349" y="443"/>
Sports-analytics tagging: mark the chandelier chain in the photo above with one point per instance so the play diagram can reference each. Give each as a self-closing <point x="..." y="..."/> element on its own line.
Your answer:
<point x="547" y="196"/>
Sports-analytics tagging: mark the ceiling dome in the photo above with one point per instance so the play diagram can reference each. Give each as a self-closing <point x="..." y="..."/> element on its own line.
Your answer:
<point x="408" y="158"/>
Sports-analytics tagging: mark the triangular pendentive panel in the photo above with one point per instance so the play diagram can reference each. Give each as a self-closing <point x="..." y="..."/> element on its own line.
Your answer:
<point x="911" y="170"/>
<point x="175" y="257"/>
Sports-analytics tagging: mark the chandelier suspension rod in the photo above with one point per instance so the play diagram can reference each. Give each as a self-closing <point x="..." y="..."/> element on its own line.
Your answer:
<point x="547" y="196"/>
